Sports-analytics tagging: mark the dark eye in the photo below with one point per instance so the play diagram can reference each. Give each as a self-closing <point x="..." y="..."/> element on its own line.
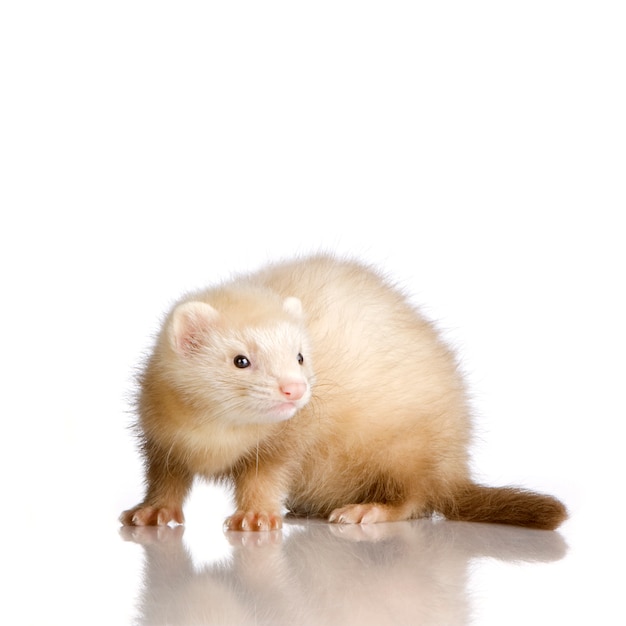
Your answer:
<point x="241" y="361"/>
<point x="300" y="358"/>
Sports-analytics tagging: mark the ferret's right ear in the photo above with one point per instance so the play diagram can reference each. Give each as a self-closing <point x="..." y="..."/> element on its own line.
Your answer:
<point x="190" y="322"/>
<point x="293" y="305"/>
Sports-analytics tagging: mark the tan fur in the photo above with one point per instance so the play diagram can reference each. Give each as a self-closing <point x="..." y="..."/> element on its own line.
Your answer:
<point x="380" y="427"/>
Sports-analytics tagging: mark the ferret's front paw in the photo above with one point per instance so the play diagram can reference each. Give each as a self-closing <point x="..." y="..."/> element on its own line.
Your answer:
<point x="152" y="516"/>
<point x="251" y="520"/>
<point x="149" y="535"/>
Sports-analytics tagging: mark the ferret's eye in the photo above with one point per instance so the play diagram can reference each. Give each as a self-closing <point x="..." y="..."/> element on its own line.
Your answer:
<point x="241" y="361"/>
<point x="300" y="358"/>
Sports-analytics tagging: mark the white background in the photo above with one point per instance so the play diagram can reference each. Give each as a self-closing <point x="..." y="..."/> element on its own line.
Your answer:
<point x="475" y="151"/>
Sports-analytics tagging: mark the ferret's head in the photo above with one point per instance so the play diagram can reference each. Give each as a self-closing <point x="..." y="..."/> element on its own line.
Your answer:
<point x="243" y="357"/>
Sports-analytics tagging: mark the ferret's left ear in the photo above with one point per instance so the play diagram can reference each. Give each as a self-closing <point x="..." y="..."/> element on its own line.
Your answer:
<point x="293" y="306"/>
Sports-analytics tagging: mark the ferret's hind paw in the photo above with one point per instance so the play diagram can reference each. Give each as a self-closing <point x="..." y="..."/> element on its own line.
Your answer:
<point x="363" y="514"/>
<point x="253" y="521"/>
<point x="152" y="516"/>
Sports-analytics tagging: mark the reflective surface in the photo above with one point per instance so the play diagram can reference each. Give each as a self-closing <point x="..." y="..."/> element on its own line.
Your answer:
<point x="85" y="569"/>
<point x="317" y="573"/>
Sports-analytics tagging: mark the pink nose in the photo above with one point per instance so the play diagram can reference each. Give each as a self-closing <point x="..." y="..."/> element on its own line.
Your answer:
<point x="293" y="391"/>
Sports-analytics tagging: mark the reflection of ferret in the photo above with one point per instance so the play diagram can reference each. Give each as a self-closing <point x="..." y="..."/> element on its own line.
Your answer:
<point x="315" y="385"/>
<point x="413" y="573"/>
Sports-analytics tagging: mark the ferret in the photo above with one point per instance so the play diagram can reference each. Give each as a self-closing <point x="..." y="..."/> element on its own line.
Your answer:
<point x="314" y="387"/>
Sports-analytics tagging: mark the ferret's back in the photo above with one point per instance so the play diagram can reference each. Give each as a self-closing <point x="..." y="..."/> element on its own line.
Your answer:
<point x="365" y="333"/>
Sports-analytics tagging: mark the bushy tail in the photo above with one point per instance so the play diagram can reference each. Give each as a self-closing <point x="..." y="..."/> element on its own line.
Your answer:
<point x="502" y="505"/>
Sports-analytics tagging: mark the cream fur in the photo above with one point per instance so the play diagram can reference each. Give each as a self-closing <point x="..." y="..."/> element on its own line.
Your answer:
<point x="380" y="428"/>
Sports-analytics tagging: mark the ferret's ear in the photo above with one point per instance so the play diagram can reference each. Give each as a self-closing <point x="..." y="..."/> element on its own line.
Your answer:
<point x="190" y="322"/>
<point x="293" y="306"/>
